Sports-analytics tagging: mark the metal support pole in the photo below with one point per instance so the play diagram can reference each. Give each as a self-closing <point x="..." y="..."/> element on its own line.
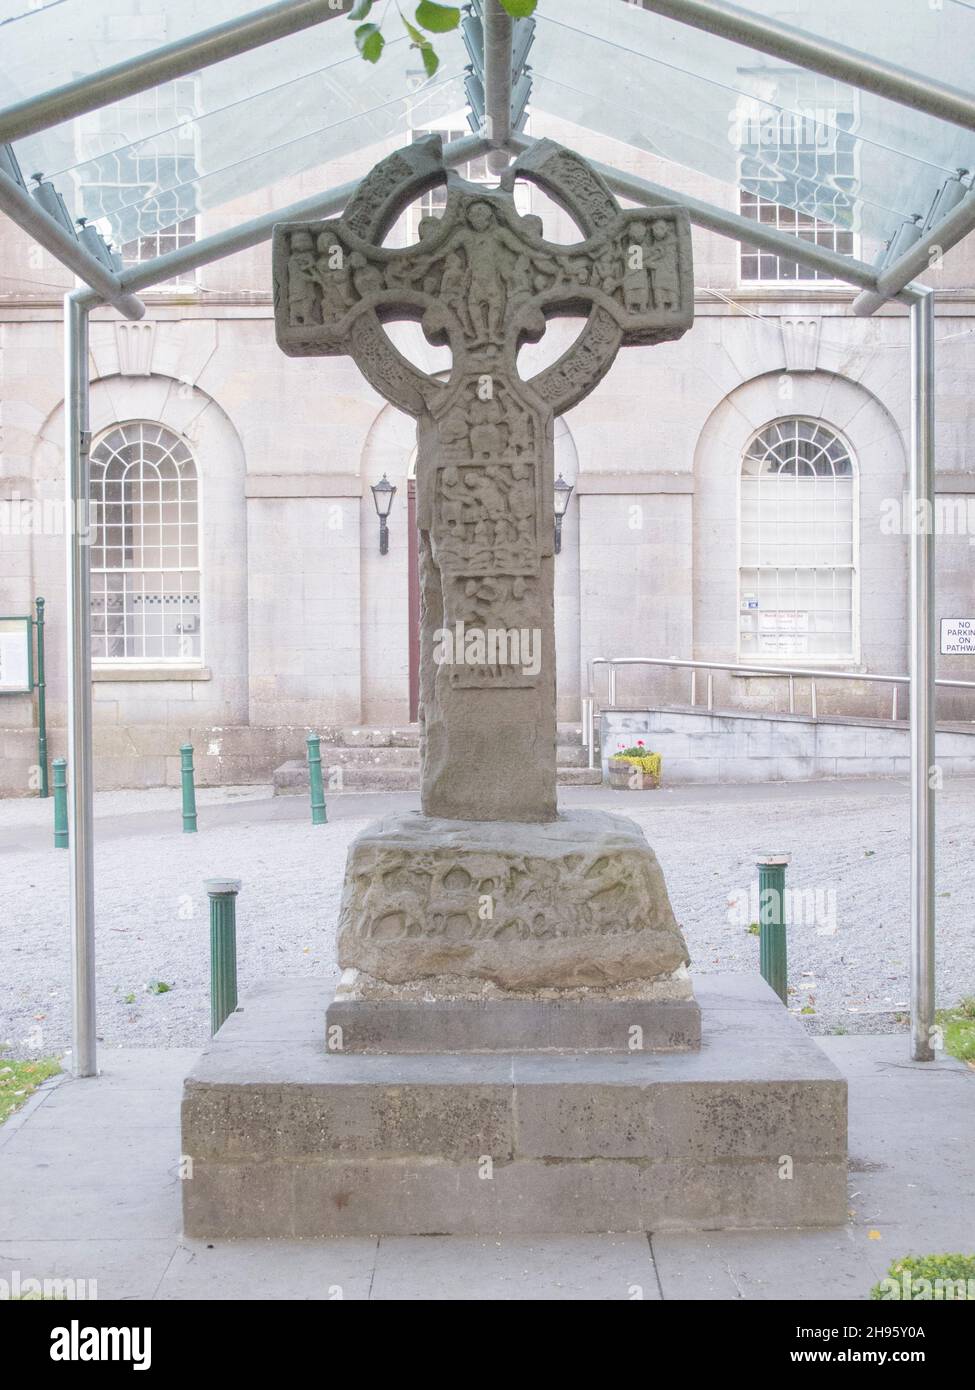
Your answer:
<point x="922" y="678"/>
<point x="710" y="691"/>
<point x="41" y="699"/>
<point x="189" y="791"/>
<point x="81" y="902"/>
<point x="60" y="803"/>
<point x="812" y="697"/>
<point x="177" y="59"/>
<point x="792" y="694"/>
<point x="806" y="50"/>
<point x="773" y="959"/>
<point x="319" y="815"/>
<point x="222" y="893"/>
<point x="21" y="208"/>
<point x="497" y="82"/>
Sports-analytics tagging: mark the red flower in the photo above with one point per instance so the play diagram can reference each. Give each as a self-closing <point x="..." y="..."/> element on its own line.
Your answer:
<point x="639" y="743"/>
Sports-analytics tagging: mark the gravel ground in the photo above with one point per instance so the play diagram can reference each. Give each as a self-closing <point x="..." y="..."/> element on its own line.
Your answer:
<point x="848" y="964"/>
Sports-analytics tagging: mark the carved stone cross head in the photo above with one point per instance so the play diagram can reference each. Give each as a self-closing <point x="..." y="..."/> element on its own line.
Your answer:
<point x="482" y="280"/>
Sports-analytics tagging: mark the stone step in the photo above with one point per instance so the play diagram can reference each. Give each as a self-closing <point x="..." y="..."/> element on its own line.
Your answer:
<point x="370" y="736"/>
<point x="578" y="776"/>
<point x="408" y="736"/>
<point x="363" y="774"/>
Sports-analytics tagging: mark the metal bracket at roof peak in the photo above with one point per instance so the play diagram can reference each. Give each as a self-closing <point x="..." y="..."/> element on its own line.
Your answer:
<point x="498" y="83"/>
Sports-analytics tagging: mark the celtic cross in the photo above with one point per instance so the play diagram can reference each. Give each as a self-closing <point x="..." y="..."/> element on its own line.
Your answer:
<point x="482" y="281"/>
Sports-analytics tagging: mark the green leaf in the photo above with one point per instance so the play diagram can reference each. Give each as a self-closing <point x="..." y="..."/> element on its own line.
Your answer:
<point x="519" y="9"/>
<point x="439" y="19"/>
<point x="370" y="42"/>
<point x="360" y="11"/>
<point x="430" y="60"/>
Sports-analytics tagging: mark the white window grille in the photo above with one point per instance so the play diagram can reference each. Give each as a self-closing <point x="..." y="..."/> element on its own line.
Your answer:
<point x="139" y="171"/>
<point x="145" y="557"/>
<point x="798" y="545"/>
<point x="798" y="169"/>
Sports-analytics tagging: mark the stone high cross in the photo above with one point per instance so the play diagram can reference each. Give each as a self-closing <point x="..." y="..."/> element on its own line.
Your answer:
<point x="482" y="281"/>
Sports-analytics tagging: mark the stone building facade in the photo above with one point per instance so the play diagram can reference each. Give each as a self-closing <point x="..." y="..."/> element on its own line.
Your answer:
<point x="262" y="607"/>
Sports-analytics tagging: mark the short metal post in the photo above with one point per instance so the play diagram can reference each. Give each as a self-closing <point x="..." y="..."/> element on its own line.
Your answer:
<point x="189" y="791"/>
<point x="319" y="815"/>
<point x="60" y="766"/>
<point x="773" y="960"/>
<point x="792" y="694"/>
<point x="41" y="699"/>
<point x="693" y="685"/>
<point x="812" y="693"/>
<point x="223" y="948"/>
<point x="710" y="690"/>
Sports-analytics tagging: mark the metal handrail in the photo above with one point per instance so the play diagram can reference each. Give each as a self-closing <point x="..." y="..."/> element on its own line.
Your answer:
<point x="812" y="674"/>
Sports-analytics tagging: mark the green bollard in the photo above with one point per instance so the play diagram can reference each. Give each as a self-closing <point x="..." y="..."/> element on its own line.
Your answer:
<point x="189" y="791"/>
<point x="60" y="766"/>
<point x="223" y="948"/>
<point x="319" y="816"/>
<point x="773" y="955"/>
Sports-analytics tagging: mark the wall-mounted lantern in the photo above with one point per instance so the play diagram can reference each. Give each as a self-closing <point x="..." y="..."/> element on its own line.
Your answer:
<point x="563" y="491"/>
<point x="383" y="493"/>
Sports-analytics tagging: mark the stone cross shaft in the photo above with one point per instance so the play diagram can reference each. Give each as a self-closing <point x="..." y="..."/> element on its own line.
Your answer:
<point x="482" y="281"/>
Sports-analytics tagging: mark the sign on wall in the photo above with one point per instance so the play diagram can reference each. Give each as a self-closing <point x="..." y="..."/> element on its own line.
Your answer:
<point x="958" y="636"/>
<point x="16" y="675"/>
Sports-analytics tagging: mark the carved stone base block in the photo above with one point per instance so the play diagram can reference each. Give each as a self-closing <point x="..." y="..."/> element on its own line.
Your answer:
<point x="291" y="1141"/>
<point x="446" y="909"/>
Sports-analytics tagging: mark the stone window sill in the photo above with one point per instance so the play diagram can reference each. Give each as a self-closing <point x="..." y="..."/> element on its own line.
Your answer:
<point x="151" y="673"/>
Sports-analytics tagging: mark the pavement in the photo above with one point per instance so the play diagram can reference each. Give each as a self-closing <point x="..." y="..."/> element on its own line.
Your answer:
<point x="90" y="1177"/>
<point x="849" y="933"/>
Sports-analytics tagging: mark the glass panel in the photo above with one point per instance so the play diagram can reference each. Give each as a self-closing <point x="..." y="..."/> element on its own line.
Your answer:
<point x="791" y="138"/>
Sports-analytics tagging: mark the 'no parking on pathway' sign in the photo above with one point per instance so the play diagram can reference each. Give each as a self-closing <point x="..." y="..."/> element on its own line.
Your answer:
<point x="958" y="636"/>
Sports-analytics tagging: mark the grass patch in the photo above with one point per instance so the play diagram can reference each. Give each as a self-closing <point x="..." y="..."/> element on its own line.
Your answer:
<point x="924" y="1277"/>
<point x="958" y="1025"/>
<point x="19" y="1079"/>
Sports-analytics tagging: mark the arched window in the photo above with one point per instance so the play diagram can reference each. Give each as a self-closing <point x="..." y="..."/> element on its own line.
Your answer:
<point x="798" y="566"/>
<point x="145" y="557"/>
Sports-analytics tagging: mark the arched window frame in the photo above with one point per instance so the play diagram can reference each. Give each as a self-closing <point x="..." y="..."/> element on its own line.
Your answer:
<point x="791" y="650"/>
<point x="146" y="564"/>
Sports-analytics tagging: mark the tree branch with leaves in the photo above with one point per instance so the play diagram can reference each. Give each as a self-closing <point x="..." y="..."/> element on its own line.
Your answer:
<point x="429" y="18"/>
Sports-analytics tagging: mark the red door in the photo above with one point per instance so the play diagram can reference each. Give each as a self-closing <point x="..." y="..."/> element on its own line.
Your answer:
<point x="413" y="600"/>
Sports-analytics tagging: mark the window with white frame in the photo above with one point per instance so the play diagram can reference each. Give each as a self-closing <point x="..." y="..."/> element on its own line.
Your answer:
<point x="797" y="169"/>
<point x="140" y="166"/>
<point x="798" y="545"/>
<point x="145" y="546"/>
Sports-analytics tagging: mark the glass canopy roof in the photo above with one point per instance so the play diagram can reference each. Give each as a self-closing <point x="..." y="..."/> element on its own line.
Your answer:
<point x="774" y="131"/>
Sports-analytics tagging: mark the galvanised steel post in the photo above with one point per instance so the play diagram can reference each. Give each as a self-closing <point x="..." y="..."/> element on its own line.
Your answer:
<point x="41" y="699"/>
<point x="81" y="898"/>
<point x="223" y="948"/>
<point x="771" y="920"/>
<point x="319" y="816"/>
<point x="923" y="661"/>
<point x="189" y="791"/>
<point x="60" y="803"/>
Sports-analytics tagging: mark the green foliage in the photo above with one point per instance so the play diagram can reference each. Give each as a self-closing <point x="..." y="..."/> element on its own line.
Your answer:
<point x="158" y="987"/>
<point x="640" y="757"/>
<point x="19" y="1079"/>
<point x="921" y="1278"/>
<point x="753" y="929"/>
<point x="958" y="1025"/>
<point x="429" y="15"/>
<point x="437" y="19"/>
<point x="370" y="42"/>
